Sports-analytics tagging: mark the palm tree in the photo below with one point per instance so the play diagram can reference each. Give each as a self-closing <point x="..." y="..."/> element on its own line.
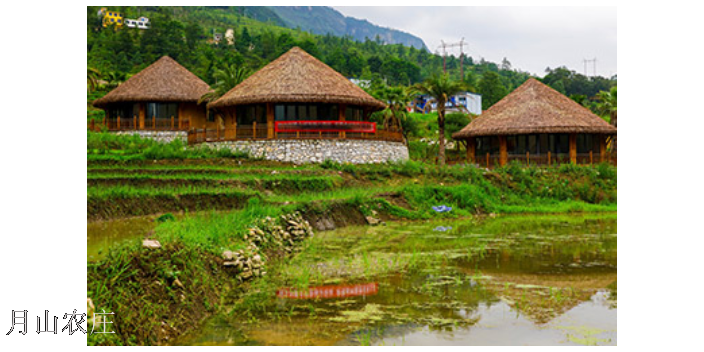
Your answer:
<point x="440" y="88"/>
<point x="113" y="79"/>
<point x="93" y="76"/>
<point x="608" y="106"/>
<point x="225" y="79"/>
<point x="395" y="112"/>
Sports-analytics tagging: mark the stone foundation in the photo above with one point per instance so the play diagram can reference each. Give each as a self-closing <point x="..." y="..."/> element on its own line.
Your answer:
<point x="159" y="136"/>
<point x="318" y="150"/>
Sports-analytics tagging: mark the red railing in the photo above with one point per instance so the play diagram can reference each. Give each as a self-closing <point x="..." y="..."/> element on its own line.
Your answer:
<point x="325" y="126"/>
<point x="330" y="291"/>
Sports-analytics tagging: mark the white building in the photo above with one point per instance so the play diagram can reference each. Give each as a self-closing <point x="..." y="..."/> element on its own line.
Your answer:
<point x="141" y="23"/>
<point x="471" y="101"/>
<point x="466" y="102"/>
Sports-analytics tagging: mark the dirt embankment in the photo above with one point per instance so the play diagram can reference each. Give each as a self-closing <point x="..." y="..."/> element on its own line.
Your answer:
<point x="332" y="216"/>
<point x="114" y="208"/>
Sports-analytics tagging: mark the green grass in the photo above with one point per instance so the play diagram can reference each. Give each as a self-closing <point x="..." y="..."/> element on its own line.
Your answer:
<point x="125" y="148"/>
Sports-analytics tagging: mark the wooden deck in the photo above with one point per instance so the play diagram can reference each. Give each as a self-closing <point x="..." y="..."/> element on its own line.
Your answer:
<point x="259" y="132"/>
<point x="134" y="124"/>
<point x="490" y="161"/>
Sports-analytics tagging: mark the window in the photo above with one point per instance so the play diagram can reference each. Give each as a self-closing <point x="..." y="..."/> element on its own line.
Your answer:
<point x="486" y="145"/>
<point x="279" y="112"/>
<point x="313" y="112"/>
<point x="587" y="143"/>
<point x="162" y="110"/>
<point x="354" y="114"/>
<point x="559" y="143"/>
<point x="124" y="111"/>
<point x="532" y="144"/>
<point x="211" y="116"/>
<point x="248" y="114"/>
<point x="299" y="112"/>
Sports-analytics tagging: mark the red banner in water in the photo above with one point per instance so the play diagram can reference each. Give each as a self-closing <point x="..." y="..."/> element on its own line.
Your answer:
<point x="325" y="126"/>
<point x="331" y="291"/>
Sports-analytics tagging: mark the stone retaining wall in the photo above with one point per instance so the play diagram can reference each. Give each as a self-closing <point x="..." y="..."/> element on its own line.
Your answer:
<point x="318" y="150"/>
<point x="159" y="136"/>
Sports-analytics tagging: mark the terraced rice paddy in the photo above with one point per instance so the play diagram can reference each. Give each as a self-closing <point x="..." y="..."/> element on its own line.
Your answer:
<point x="402" y="283"/>
<point x="116" y="191"/>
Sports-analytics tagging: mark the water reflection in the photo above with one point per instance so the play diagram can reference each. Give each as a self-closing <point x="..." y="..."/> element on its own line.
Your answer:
<point x="508" y="281"/>
<point x="330" y="291"/>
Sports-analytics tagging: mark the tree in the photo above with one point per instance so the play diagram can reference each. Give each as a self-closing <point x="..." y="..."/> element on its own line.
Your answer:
<point x="193" y="33"/>
<point x="440" y="88"/>
<point x="93" y="75"/>
<point x="355" y="62"/>
<point x="337" y="61"/>
<point x="242" y="44"/>
<point x="491" y="89"/>
<point x="505" y="64"/>
<point x="396" y="99"/>
<point x="225" y="79"/>
<point x="607" y="106"/>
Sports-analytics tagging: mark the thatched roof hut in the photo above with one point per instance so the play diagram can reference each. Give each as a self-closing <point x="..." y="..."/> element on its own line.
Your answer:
<point x="535" y="108"/>
<point x="163" y="81"/>
<point x="536" y="122"/>
<point x="163" y="96"/>
<point x="297" y="77"/>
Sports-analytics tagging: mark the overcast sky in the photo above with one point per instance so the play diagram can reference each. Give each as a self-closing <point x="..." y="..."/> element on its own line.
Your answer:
<point x="532" y="38"/>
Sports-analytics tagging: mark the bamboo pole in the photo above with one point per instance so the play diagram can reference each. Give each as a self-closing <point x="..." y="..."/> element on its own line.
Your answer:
<point x="573" y="148"/>
<point x="118" y="122"/>
<point x="254" y="130"/>
<point x="527" y="158"/>
<point x="487" y="160"/>
<point x="503" y="152"/>
<point x="548" y="158"/>
<point x="134" y="122"/>
<point x="591" y="158"/>
<point x="172" y="122"/>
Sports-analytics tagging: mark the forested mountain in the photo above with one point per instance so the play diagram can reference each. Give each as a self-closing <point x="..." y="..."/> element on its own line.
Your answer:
<point x="324" y="20"/>
<point x="260" y="36"/>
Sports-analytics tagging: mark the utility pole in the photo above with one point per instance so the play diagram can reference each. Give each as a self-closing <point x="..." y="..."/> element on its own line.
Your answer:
<point x="585" y="66"/>
<point x="444" y="54"/>
<point x="444" y="47"/>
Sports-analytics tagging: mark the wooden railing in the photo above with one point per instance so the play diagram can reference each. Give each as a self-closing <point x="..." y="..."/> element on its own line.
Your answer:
<point x="261" y="132"/>
<point x="493" y="160"/>
<point x="133" y="124"/>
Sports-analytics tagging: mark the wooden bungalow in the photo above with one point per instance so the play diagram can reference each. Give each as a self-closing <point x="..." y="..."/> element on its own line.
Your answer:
<point x="536" y="124"/>
<point x="164" y="96"/>
<point x="295" y="96"/>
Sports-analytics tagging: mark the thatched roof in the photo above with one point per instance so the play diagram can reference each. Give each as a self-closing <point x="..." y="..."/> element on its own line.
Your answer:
<point x="163" y="81"/>
<point x="535" y="108"/>
<point x="296" y="76"/>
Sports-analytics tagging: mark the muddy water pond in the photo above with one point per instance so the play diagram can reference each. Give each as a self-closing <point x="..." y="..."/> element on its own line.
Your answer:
<point x="510" y="280"/>
<point x="104" y="234"/>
